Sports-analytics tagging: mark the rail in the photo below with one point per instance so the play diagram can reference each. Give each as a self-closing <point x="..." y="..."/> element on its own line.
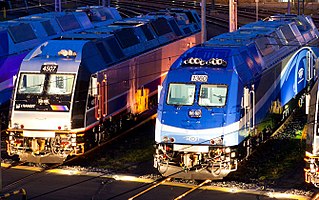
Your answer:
<point x="193" y="189"/>
<point x="16" y="192"/>
<point x="83" y="156"/>
<point x="167" y="180"/>
<point x="150" y="188"/>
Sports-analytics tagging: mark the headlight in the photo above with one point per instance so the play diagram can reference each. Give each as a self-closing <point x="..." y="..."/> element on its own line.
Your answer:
<point x="195" y="113"/>
<point x="198" y="113"/>
<point x="165" y="139"/>
<point x="191" y="113"/>
<point x="16" y="125"/>
<point x="217" y="141"/>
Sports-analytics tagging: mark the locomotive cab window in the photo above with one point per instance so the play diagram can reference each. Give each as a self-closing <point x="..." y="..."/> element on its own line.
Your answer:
<point x="181" y="94"/>
<point x="212" y="95"/>
<point x="31" y="83"/>
<point x="61" y="84"/>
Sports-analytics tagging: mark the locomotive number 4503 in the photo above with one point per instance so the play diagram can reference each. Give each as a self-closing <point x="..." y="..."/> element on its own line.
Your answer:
<point x="199" y="78"/>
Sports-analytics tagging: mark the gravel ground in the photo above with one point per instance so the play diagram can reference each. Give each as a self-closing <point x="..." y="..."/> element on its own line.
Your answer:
<point x="276" y="166"/>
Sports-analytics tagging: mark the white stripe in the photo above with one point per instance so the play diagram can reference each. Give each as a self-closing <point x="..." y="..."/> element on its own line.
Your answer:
<point x="215" y="132"/>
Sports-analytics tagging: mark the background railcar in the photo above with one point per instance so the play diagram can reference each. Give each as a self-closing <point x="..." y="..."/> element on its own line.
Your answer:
<point x="73" y="92"/>
<point x="219" y="97"/>
<point x="20" y="36"/>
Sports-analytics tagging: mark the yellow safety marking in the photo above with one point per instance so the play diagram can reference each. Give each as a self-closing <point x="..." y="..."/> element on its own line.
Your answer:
<point x="189" y="191"/>
<point x="150" y="188"/>
<point x="28" y="168"/>
<point x="5" y="165"/>
<point x="310" y="155"/>
<point x="64" y="172"/>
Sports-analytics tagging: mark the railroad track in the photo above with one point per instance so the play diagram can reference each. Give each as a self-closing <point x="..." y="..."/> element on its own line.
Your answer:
<point x="168" y="179"/>
<point x="218" y="17"/>
<point x="88" y="153"/>
<point x="245" y="15"/>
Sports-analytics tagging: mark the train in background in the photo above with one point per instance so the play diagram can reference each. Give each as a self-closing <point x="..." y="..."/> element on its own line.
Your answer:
<point x="312" y="141"/>
<point x="74" y="92"/>
<point x="21" y="35"/>
<point x="220" y="98"/>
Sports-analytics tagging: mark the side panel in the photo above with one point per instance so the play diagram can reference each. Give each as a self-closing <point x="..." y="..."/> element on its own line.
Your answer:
<point x="312" y="120"/>
<point x="80" y="94"/>
<point x="145" y="71"/>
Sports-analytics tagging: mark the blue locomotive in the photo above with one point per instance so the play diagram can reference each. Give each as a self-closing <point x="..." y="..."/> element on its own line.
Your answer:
<point x="219" y="97"/>
<point x="20" y="36"/>
<point x="74" y="92"/>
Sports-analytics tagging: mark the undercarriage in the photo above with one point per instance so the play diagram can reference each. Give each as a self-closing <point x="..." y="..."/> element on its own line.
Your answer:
<point x="312" y="169"/>
<point x="215" y="163"/>
<point x="45" y="149"/>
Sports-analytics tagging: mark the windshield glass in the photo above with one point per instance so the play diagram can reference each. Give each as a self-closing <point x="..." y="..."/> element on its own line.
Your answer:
<point x="212" y="95"/>
<point x="60" y="84"/>
<point x="181" y="94"/>
<point x="31" y="83"/>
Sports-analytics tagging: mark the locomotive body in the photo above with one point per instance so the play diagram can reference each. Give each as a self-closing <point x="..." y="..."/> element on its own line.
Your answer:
<point x="220" y="98"/>
<point x="74" y="92"/>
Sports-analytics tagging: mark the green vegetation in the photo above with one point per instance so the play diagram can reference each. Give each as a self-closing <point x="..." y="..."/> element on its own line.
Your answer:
<point x="272" y="161"/>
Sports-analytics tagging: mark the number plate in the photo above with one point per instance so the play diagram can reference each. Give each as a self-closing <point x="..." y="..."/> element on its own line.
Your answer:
<point x="199" y="78"/>
<point x="49" y="68"/>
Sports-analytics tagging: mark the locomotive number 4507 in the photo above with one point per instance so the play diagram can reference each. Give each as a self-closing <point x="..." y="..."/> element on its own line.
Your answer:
<point x="199" y="78"/>
<point x="49" y="68"/>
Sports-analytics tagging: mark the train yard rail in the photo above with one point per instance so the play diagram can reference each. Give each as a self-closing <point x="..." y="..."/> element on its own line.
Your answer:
<point x="90" y="152"/>
<point x="152" y="181"/>
<point x="218" y="16"/>
<point x="108" y="186"/>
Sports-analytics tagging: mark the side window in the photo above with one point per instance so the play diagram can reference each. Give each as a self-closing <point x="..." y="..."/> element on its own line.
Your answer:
<point x="92" y="93"/>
